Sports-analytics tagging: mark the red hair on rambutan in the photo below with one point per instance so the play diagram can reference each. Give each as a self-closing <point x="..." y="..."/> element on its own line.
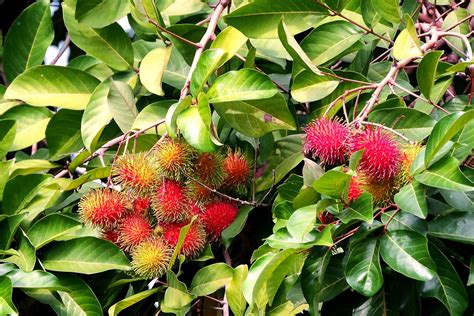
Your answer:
<point x="194" y="241"/>
<point x="217" y="216"/>
<point x="237" y="171"/>
<point x="170" y="202"/>
<point x="355" y="189"/>
<point x="135" y="171"/>
<point x="133" y="229"/>
<point x="102" y="207"/>
<point x="327" y="139"/>
<point x="174" y="159"/>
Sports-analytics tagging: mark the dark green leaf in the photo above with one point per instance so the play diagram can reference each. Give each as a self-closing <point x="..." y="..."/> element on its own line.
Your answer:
<point x="333" y="183"/>
<point x="7" y="135"/>
<point x="211" y="278"/>
<point x="64" y="134"/>
<point x="21" y="190"/>
<point x="100" y="13"/>
<point x="412" y="199"/>
<point x="426" y="72"/>
<point x="6" y="291"/>
<point x="453" y="226"/>
<point x="129" y="301"/>
<point x="51" y="227"/>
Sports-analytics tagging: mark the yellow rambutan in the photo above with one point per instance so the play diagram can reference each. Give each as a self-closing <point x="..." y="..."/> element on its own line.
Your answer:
<point x="174" y="159"/>
<point x="135" y="171"/>
<point x="102" y="207"/>
<point x="151" y="257"/>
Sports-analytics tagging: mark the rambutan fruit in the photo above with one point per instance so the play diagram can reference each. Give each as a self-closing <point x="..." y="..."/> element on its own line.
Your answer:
<point x="382" y="191"/>
<point x="355" y="189"/>
<point x="111" y="234"/>
<point x="217" y="216"/>
<point x="209" y="168"/>
<point x="237" y="171"/>
<point x="135" y="171"/>
<point x="170" y="202"/>
<point x="141" y="204"/>
<point x="381" y="158"/>
<point x="151" y="257"/>
<point x="133" y="229"/>
<point x="327" y="139"/>
<point x="174" y="159"/>
<point x="102" y="207"/>
<point x="409" y="153"/>
<point x="194" y="241"/>
<point x="196" y="191"/>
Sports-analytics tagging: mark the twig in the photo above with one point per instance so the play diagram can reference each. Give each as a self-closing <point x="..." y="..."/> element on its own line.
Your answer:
<point x="388" y="129"/>
<point x="203" y="42"/>
<point x="366" y="29"/>
<point x="61" y="51"/>
<point x="164" y="30"/>
<point x="254" y="179"/>
<point x="463" y="38"/>
<point x="459" y="22"/>
<point x="346" y="93"/>
<point x="390" y="219"/>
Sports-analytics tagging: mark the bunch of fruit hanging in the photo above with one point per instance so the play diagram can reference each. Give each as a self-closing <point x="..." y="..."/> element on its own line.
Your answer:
<point x="160" y="193"/>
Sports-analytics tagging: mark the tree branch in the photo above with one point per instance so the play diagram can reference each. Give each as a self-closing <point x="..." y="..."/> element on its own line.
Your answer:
<point x="164" y="30"/>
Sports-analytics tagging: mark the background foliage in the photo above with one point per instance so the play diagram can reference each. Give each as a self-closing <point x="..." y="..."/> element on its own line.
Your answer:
<point x="247" y="74"/>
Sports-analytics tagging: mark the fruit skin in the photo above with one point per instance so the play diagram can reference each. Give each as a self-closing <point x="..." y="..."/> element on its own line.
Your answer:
<point x="135" y="171"/>
<point x="141" y="204"/>
<point x="409" y="153"/>
<point x="102" y="207"/>
<point x="217" y="216"/>
<point x="169" y="202"/>
<point x="327" y="139"/>
<point x="174" y="159"/>
<point x="111" y="234"/>
<point x="355" y="189"/>
<point x="151" y="257"/>
<point x="209" y="168"/>
<point x="382" y="191"/>
<point x="381" y="158"/>
<point x="197" y="192"/>
<point x="194" y="241"/>
<point x="132" y="230"/>
<point x="237" y="172"/>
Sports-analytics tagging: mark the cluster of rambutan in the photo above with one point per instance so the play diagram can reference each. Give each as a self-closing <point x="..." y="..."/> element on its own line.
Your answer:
<point x="162" y="192"/>
<point x="385" y="163"/>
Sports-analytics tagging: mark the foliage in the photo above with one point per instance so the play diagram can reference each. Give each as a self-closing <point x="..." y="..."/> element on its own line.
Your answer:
<point x="349" y="128"/>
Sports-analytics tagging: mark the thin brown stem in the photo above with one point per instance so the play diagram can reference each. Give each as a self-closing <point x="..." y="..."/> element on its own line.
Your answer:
<point x="61" y="51"/>
<point x="390" y="219"/>
<point x="164" y="30"/>
<point x="459" y="22"/>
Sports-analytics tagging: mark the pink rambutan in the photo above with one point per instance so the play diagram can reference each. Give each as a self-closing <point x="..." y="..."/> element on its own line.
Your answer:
<point x="327" y="139"/>
<point x="194" y="241"/>
<point x="170" y="202"/>
<point x="102" y="207"/>
<point x="135" y="171"/>
<point x="355" y="189"/>
<point x="133" y="229"/>
<point x="381" y="157"/>
<point x="217" y="216"/>
<point x="237" y="171"/>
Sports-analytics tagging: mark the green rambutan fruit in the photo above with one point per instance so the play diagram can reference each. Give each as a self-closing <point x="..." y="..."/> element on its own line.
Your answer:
<point x="409" y="153"/>
<point x="174" y="159"/>
<point x="151" y="257"/>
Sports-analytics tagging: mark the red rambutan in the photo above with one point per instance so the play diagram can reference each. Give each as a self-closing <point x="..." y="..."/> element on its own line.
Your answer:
<point x="151" y="257"/>
<point x="381" y="157"/>
<point x="174" y="159"/>
<point x="217" y="216"/>
<point x="133" y="229"/>
<point x="210" y="169"/>
<point x="237" y="171"/>
<point x="111" y="235"/>
<point x="141" y="204"/>
<point x="327" y="139"/>
<point x="194" y="241"/>
<point x="135" y="171"/>
<point x="102" y="207"/>
<point x="170" y="202"/>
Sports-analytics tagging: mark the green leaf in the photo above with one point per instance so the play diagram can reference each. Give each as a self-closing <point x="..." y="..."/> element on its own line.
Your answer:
<point x="329" y="41"/>
<point x="152" y="69"/>
<point x="53" y="86"/>
<point x="173" y="113"/>
<point x="255" y="118"/>
<point x="63" y="134"/>
<point x="29" y="166"/>
<point x="97" y="173"/>
<point x="470" y="281"/>
<point x="34" y="280"/>
<point x="455" y="226"/>
<point x="287" y="154"/>
<point x="5" y="169"/>
<point x="6" y="292"/>
<point x="233" y="290"/>
<point x="86" y="255"/>
<point x="260" y="19"/>
<point x="129" y="301"/>
<point x="121" y="104"/>
<point x="79" y="299"/>
<point x="7" y="135"/>
<point x="100" y="13"/>
<point x="176" y="71"/>
<point x="407" y="253"/>
<point x="51" y="227"/>
<point x="27" y="40"/>
<point x="25" y="256"/>
<point x="21" y="190"/>
<point x="388" y="9"/>
<point x="8" y="227"/>
<point x="412" y="123"/>
<point x="412" y="199"/>
<point x="312" y="276"/>
<point x="96" y="116"/>
<point x="240" y="85"/>
<point x="309" y="87"/>
<point x="444" y="130"/>
<point x="370" y="14"/>
<point x="404" y="221"/>
<point x="152" y="113"/>
<point x="333" y="183"/>
<point x="294" y="49"/>
<point x="109" y="44"/>
<point x="208" y="63"/>
<point x="237" y="225"/>
<point x="456" y="17"/>
<point x="265" y="277"/>
<point x="31" y="123"/>
<point x="362" y="267"/>
<point x="446" y="286"/>
<point x="445" y="174"/>
<point x="195" y="125"/>
<point x="211" y="278"/>
<point x="302" y="221"/>
<point x="230" y="40"/>
<point x="362" y="208"/>
<point x="283" y="240"/>
<point x="426" y="72"/>
<point x="177" y="299"/>
<point x="459" y="200"/>
<point x="407" y="44"/>
<point x="182" y="235"/>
